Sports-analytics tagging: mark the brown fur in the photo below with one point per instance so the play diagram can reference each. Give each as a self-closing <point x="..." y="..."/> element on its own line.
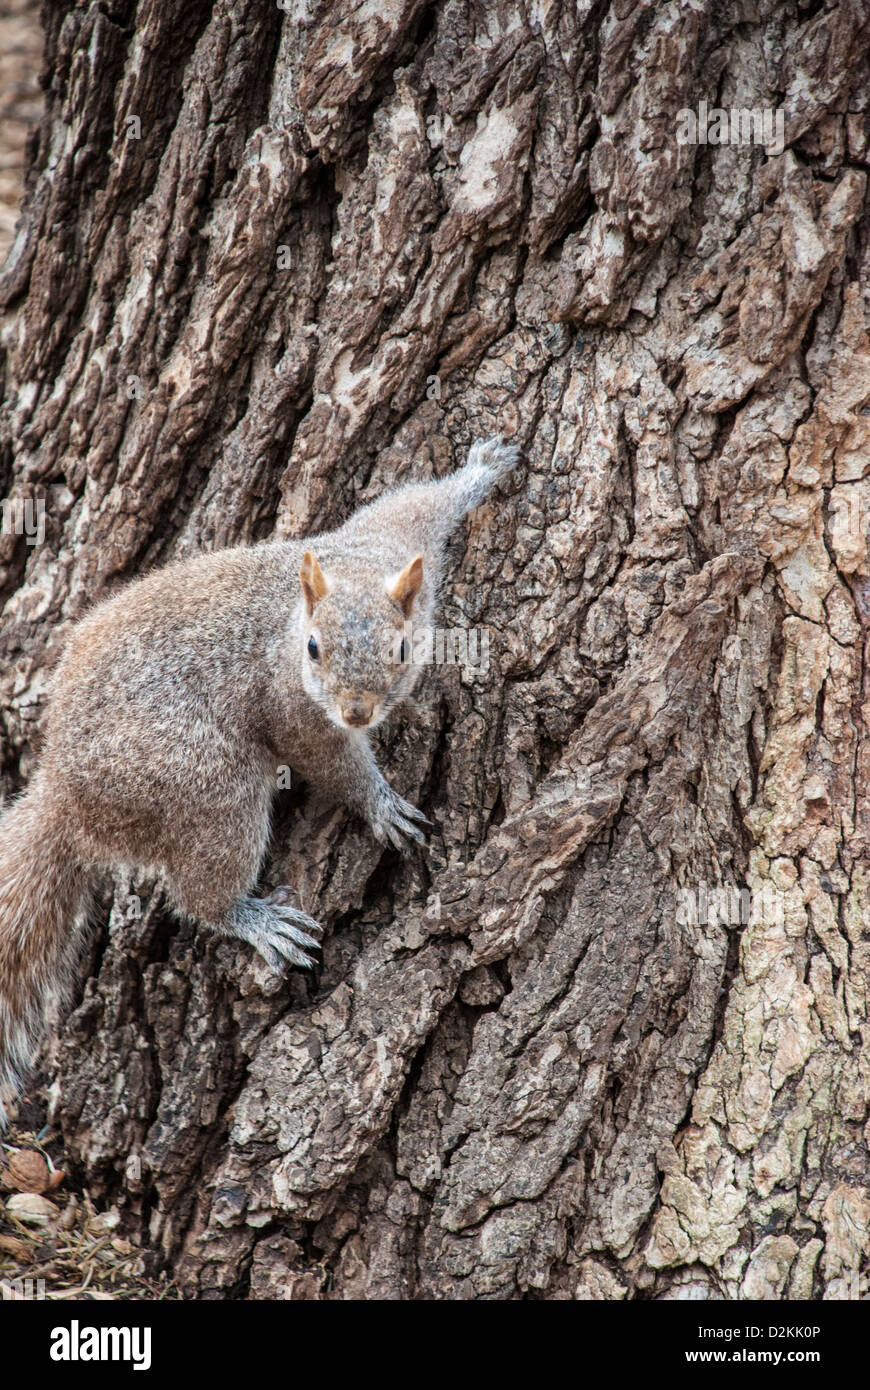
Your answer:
<point x="174" y="705"/>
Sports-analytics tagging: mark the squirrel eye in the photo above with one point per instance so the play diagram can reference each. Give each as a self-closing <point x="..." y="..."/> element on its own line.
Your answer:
<point x="313" y="650"/>
<point x="403" y="652"/>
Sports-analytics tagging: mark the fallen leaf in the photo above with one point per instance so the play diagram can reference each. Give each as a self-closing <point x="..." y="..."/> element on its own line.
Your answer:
<point x="32" y="1209"/>
<point x="18" y="1249"/>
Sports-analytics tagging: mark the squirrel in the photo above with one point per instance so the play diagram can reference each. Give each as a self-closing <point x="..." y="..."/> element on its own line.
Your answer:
<point x="173" y="704"/>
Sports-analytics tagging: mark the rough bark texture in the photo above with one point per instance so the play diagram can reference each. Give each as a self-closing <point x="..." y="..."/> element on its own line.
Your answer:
<point x="520" y="1072"/>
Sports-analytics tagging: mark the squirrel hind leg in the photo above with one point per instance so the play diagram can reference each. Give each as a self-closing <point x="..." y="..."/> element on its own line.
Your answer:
<point x="272" y="925"/>
<point x="278" y="932"/>
<point x="210" y="882"/>
<point x="220" y="902"/>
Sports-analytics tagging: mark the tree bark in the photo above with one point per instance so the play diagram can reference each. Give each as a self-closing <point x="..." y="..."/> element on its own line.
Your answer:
<point x="274" y="262"/>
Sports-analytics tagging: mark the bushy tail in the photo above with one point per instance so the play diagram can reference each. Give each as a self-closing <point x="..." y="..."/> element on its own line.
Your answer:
<point x="42" y="888"/>
<point x="424" y="515"/>
<point x="488" y="461"/>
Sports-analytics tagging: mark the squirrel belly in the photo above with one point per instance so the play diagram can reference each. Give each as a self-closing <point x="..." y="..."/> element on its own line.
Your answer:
<point x="173" y="706"/>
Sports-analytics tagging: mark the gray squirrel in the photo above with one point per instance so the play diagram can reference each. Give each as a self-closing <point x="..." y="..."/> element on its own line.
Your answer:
<point x="175" y="701"/>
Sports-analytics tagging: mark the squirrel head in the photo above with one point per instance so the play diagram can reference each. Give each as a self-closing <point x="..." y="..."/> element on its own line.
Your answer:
<point x="356" y="639"/>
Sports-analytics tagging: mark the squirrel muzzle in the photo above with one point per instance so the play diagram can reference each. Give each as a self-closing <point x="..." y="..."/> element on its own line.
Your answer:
<point x="357" y="711"/>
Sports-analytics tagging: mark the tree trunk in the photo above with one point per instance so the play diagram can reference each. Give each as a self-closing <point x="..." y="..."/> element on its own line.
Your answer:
<point x="273" y="262"/>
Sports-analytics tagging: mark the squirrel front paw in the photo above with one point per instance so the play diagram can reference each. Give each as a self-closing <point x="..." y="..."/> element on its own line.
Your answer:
<point x="274" y="929"/>
<point x="392" y="820"/>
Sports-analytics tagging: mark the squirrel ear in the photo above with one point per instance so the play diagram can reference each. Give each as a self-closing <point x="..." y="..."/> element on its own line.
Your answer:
<point x="406" y="586"/>
<point x="314" y="584"/>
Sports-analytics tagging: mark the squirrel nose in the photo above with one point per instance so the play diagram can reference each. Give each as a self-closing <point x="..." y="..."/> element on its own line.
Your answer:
<point x="357" y="712"/>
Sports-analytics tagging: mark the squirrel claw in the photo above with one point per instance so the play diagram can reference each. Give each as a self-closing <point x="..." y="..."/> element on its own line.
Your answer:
<point x="287" y="917"/>
<point x="287" y="898"/>
<point x="275" y="931"/>
<point x="394" y="822"/>
<point x="403" y="831"/>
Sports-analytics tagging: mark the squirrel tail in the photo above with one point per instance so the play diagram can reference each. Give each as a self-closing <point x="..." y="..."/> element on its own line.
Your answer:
<point x="43" y="885"/>
<point x="488" y="461"/>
